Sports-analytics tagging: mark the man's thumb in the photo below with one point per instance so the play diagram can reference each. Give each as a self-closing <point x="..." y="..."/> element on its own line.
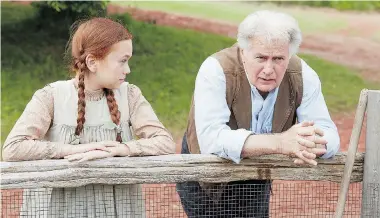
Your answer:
<point x="306" y="123"/>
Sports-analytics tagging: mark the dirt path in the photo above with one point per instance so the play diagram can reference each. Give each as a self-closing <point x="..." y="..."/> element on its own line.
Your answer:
<point x="352" y="50"/>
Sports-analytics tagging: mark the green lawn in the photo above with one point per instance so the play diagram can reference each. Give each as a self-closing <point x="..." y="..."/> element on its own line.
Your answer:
<point x="376" y="36"/>
<point x="311" y="20"/>
<point x="164" y="66"/>
<point x="234" y="12"/>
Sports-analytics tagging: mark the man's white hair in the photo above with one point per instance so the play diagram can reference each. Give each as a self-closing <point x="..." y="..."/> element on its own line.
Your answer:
<point x="273" y="26"/>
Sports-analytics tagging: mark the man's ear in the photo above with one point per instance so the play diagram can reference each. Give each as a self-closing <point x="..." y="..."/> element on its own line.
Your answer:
<point x="91" y="63"/>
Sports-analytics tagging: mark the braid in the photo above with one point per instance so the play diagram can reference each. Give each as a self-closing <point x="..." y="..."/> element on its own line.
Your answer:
<point x="114" y="111"/>
<point x="81" y="98"/>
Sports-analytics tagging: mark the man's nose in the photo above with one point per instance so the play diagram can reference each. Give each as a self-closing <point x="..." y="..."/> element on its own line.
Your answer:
<point x="268" y="69"/>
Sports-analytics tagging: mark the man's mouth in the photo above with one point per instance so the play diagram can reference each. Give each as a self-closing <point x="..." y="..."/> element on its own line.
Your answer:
<point x="267" y="80"/>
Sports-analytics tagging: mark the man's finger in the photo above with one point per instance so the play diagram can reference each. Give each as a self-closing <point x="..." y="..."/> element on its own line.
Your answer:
<point x="319" y="140"/>
<point x="316" y="139"/>
<point x="306" y="131"/>
<point x="309" y="161"/>
<point x="298" y="161"/>
<point x="317" y="151"/>
<point x="309" y="155"/>
<point x="310" y="130"/>
<point x="321" y="146"/>
<point x="306" y="123"/>
<point x="306" y="143"/>
<point x="319" y="131"/>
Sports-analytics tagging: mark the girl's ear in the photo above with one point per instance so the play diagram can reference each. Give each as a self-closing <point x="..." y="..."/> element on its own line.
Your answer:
<point x="91" y="63"/>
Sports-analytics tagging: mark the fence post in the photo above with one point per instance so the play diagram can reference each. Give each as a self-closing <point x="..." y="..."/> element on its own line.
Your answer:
<point x="371" y="175"/>
<point x="352" y="149"/>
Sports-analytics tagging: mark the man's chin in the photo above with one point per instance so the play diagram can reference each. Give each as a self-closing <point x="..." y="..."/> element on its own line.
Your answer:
<point x="265" y="88"/>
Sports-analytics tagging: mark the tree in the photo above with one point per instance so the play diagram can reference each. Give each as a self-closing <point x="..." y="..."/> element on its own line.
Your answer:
<point x="54" y="13"/>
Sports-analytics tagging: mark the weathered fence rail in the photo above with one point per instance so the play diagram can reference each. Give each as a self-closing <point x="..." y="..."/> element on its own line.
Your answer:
<point x="169" y="169"/>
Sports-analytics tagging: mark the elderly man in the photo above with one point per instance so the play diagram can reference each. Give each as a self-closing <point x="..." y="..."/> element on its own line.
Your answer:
<point x="254" y="98"/>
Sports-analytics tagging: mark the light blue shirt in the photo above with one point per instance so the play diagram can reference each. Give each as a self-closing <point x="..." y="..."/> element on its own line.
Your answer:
<point x="212" y="113"/>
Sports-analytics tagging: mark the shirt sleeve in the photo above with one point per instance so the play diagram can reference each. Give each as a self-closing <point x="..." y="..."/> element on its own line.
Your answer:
<point x="154" y="138"/>
<point x="313" y="108"/>
<point x="212" y="114"/>
<point x="25" y="140"/>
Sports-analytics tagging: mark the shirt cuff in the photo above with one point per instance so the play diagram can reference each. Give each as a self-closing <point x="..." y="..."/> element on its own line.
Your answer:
<point x="333" y="144"/>
<point x="233" y="144"/>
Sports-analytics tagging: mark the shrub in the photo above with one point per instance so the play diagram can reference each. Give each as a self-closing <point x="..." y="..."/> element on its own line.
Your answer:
<point x="51" y="14"/>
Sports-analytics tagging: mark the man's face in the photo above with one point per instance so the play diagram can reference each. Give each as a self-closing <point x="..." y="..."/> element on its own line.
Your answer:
<point x="266" y="62"/>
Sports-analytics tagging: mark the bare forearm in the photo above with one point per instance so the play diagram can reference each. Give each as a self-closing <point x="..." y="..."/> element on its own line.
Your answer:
<point x="256" y="145"/>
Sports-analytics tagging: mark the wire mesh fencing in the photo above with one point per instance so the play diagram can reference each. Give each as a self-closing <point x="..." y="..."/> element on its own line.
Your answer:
<point x="278" y="198"/>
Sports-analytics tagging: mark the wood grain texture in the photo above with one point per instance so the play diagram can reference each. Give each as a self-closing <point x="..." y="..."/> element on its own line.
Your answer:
<point x="170" y="169"/>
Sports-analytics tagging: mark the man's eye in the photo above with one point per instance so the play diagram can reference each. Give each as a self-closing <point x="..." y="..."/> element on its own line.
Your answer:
<point x="124" y="60"/>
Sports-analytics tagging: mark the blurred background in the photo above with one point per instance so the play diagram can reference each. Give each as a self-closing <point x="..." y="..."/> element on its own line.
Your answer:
<point x="172" y="39"/>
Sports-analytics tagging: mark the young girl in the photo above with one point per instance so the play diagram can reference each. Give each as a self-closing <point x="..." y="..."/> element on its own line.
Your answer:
<point x="85" y="118"/>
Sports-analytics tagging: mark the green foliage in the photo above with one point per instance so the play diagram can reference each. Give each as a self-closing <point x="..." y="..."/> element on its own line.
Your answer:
<point x="91" y="8"/>
<point x="51" y="14"/>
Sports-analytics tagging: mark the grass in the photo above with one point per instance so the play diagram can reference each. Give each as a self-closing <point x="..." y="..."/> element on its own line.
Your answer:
<point x="341" y="85"/>
<point x="376" y="36"/>
<point x="164" y="66"/>
<point x="234" y="12"/>
<point x="311" y="20"/>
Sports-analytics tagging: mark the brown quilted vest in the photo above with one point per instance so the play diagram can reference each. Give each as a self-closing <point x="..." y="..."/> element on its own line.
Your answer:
<point x="238" y="96"/>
